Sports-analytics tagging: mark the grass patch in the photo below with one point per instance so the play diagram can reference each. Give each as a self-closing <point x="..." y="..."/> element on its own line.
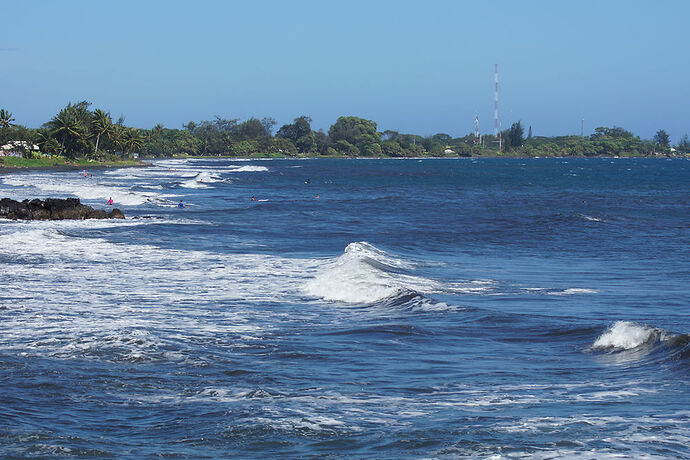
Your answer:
<point x="47" y="162"/>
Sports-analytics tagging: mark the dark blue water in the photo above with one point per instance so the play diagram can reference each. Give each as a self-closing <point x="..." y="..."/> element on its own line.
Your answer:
<point x="498" y="308"/>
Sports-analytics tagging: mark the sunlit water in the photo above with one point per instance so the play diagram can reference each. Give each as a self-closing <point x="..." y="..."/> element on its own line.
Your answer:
<point x="358" y="308"/>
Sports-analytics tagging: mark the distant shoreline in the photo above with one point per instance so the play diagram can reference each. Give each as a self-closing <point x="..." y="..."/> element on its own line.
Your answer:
<point x="96" y="166"/>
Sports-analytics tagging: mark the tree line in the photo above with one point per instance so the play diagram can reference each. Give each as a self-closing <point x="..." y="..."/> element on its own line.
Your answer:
<point x="76" y="131"/>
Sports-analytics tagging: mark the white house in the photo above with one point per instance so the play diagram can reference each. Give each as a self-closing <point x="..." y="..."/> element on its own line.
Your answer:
<point x="16" y="148"/>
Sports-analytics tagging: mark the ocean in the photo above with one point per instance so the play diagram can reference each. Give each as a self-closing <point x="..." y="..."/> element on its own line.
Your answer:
<point x="370" y="308"/>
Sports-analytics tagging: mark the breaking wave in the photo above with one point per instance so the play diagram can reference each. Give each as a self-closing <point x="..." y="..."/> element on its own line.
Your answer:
<point x="629" y="341"/>
<point x="90" y="189"/>
<point x="200" y="180"/>
<point x="626" y="335"/>
<point x="365" y="275"/>
<point x="247" y="168"/>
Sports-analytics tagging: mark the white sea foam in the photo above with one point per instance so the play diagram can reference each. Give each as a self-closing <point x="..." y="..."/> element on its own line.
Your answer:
<point x="67" y="185"/>
<point x="201" y="180"/>
<point x="574" y="291"/>
<point x="592" y="218"/>
<point x="365" y="274"/>
<point x="247" y="168"/>
<point x="89" y="297"/>
<point x="626" y="335"/>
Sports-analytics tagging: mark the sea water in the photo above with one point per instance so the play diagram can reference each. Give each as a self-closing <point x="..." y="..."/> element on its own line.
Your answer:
<point x="417" y="308"/>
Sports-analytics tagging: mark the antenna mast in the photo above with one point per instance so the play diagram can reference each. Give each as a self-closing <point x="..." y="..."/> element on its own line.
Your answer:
<point x="497" y="133"/>
<point x="476" y="129"/>
<point x="496" y="100"/>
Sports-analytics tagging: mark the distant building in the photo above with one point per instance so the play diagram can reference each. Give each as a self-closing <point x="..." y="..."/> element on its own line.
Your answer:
<point x="17" y="148"/>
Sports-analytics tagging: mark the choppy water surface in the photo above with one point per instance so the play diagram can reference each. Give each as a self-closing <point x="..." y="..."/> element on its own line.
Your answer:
<point x="358" y="308"/>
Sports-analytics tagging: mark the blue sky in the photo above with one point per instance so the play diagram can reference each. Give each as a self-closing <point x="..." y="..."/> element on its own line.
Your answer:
<point x="420" y="67"/>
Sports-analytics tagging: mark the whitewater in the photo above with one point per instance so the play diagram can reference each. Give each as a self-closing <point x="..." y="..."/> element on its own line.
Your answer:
<point x="339" y="308"/>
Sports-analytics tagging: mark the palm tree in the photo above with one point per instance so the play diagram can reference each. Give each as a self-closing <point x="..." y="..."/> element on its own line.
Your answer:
<point x="116" y="136"/>
<point x="157" y="130"/>
<point x="6" y="119"/>
<point x="101" y="124"/>
<point x="132" y="139"/>
<point x="66" y="126"/>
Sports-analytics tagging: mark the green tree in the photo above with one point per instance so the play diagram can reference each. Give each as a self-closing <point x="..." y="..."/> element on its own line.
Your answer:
<point x="442" y="138"/>
<point x="300" y="133"/>
<point x="514" y="136"/>
<point x="346" y="148"/>
<point x="353" y="130"/>
<point x="284" y="146"/>
<point x="101" y="124"/>
<point x="615" y="132"/>
<point x="6" y="119"/>
<point x="268" y="123"/>
<point x="252" y="129"/>
<point x="117" y="137"/>
<point x="68" y="127"/>
<point x="392" y="149"/>
<point x="684" y="143"/>
<point x="132" y="140"/>
<point x="661" y="138"/>
<point x="157" y="131"/>
<point x="301" y="127"/>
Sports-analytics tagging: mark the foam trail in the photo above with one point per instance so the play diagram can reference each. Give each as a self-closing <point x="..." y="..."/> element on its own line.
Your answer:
<point x="247" y="168"/>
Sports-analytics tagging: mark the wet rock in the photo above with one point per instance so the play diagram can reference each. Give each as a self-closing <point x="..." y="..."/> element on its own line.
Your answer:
<point x="53" y="209"/>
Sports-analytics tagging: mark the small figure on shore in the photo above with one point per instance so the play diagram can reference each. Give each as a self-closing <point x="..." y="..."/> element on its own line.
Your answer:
<point x="110" y="201"/>
<point x="180" y="204"/>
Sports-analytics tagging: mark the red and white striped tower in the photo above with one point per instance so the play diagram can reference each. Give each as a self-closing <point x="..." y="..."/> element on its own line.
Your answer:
<point x="496" y="100"/>
<point x="476" y="129"/>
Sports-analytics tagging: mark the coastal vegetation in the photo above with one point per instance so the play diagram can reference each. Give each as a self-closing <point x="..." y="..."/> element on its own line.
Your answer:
<point x="78" y="135"/>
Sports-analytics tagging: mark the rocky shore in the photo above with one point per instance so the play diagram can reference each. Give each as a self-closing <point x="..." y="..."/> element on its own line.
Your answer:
<point x="53" y="209"/>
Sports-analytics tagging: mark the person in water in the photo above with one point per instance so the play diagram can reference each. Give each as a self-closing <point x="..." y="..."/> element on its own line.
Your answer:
<point x="253" y="198"/>
<point x="180" y="204"/>
<point x="110" y="201"/>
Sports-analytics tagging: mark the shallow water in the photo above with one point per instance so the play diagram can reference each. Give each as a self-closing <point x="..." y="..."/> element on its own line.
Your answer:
<point x="359" y="308"/>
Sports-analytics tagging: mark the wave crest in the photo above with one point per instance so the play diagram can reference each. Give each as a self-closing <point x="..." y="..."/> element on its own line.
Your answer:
<point x="627" y="335"/>
<point x="364" y="274"/>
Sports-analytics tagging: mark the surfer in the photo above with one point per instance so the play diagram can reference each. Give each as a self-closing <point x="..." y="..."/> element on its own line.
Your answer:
<point x="253" y="198"/>
<point x="180" y="204"/>
<point x="110" y="201"/>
